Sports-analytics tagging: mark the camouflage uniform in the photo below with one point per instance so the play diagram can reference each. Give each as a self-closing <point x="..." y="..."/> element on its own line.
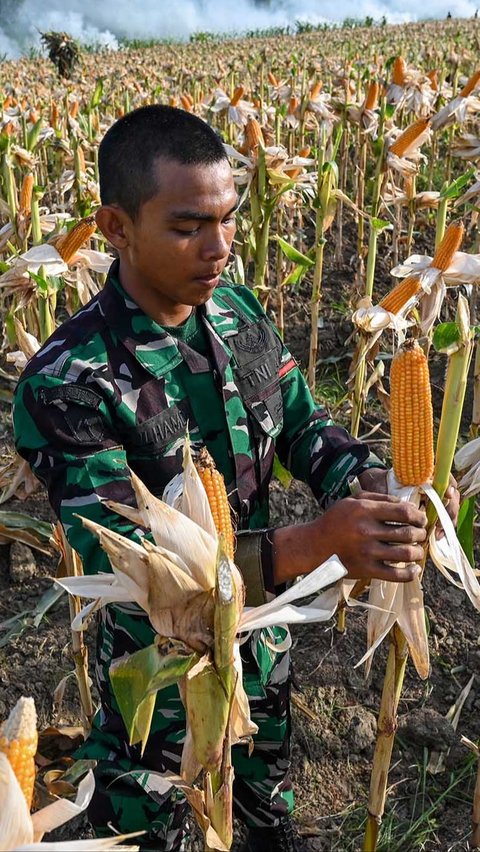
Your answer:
<point x="112" y="390"/>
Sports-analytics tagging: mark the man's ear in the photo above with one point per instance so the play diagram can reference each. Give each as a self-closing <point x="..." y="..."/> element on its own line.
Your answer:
<point x="114" y="224"/>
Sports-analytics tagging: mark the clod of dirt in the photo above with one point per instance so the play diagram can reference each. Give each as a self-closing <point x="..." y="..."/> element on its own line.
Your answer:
<point x="22" y="566"/>
<point x="427" y="728"/>
<point x="360" y="728"/>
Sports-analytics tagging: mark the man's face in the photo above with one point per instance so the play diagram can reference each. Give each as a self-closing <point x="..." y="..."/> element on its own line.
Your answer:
<point x="180" y="241"/>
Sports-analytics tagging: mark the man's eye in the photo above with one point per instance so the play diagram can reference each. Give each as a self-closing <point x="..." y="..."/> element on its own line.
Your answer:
<point x="229" y="220"/>
<point x="187" y="233"/>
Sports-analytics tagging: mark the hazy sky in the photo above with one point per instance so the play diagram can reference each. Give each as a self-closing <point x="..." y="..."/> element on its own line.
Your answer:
<point x="102" y="22"/>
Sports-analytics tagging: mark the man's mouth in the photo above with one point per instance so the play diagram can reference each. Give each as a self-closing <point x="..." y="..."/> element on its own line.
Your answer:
<point x="208" y="280"/>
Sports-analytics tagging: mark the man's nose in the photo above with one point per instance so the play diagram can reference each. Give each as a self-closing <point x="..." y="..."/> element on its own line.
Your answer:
<point x="215" y="245"/>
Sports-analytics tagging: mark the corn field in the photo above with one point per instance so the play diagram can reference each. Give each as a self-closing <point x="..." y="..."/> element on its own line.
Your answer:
<point x="356" y="153"/>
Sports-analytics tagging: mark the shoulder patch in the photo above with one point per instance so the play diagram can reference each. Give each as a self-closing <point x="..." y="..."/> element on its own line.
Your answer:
<point x="70" y="393"/>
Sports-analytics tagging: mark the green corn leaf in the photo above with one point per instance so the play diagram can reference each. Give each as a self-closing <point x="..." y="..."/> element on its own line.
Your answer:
<point x="454" y="189"/>
<point x="446" y="337"/>
<point x="281" y="473"/>
<point x="136" y="681"/>
<point x="97" y="94"/>
<point x="33" y="134"/>
<point x="465" y="527"/>
<point x="293" y="254"/>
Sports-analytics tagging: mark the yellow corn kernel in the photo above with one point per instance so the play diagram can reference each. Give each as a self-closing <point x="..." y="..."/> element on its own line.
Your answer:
<point x="26" y="191"/>
<point x="68" y="244"/>
<point x="408" y="137"/>
<point x="449" y="245"/>
<point x="471" y="84"/>
<point x="18" y="741"/>
<point x="371" y="99"/>
<point x="411" y="415"/>
<point x="399" y="295"/>
<point x="253" y="135"/>
<point x="237" y="95"/>
<point x="399" y="71"/>
<point x="212" y="481"/>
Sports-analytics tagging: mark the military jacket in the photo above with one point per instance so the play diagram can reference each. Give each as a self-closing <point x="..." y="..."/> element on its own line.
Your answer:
<point x="105" y="394"/>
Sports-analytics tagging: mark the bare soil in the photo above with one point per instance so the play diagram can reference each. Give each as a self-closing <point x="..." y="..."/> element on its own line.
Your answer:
<point x="334" y="706"/>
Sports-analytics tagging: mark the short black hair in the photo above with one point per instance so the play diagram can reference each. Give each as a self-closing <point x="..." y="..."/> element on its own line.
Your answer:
<point x="130" y="148"/>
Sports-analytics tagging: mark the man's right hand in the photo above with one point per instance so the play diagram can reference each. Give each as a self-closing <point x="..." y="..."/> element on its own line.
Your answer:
<point x="367" y="532"/>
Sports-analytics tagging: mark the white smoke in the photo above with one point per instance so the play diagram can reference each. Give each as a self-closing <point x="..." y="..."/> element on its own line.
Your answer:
<point x="103" y="23"/>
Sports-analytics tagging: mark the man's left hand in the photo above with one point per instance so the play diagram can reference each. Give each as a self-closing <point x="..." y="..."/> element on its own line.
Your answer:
<point x="375" y="479"/>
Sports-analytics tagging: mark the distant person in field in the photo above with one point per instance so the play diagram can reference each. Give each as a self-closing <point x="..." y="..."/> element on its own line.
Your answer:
<point x="166" y="344"/>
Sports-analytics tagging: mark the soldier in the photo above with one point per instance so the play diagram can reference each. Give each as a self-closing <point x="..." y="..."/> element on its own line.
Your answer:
<point x="165" y="344"/>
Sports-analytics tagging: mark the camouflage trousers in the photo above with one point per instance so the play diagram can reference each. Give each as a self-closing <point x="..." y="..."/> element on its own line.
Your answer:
<point x="131" y="796"/>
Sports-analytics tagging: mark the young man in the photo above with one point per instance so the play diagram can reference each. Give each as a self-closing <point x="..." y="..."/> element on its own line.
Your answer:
<point x="165" y="344"/>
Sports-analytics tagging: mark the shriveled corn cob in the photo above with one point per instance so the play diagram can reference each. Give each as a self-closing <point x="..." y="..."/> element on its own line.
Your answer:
<point x="371" y="99"/>
<point x="18" y="741"/>
<point x="399" y="71"/>
<point x="449" y="245"/>
<point x="295" y="170"/>
<point x="408" y="137"/>
<point x="411" y="415"/>
<point x="25" y="204"/>
<point x="253" y="135"/>
<point x="68" y="244"/>
<point x="212" y="481"/>
<point x="471" y="84"/>
<point x="399" y="295"/>
<point x="237" y="95"/>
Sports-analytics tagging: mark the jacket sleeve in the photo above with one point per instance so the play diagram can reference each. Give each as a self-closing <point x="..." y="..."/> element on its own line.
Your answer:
<point x="65" y="433"/>
<point x="312" y="446"/>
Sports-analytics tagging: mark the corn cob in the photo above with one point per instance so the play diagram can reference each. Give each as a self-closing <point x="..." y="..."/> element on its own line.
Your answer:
<point x="212" y="481"/>
<point x="371" y="99"/>
<point x="471" y="84"/>
<point x="448" y="246"/>
<point x="186" y="103"/>
<point x="399" y="71"/>
<point x="272" y="79"/>
<point x="172" y="101"/>
<point x="53" y="114"/>
<point x="253" y="135"/>
<point x="433" y="77"/>
<point x="18" y="741"/>
<point x="237" y="95"/>
<point x="315" y="90"/>
<point x="73" y="110"/>
<point x="408" y="137"/>
<point x="25" y="204"/>
<point x="401" y="294"/>
<point x="411" y="415"/>
<point x="295" y="170"/>
<point x="292" y="105"/>
<point x="68" y="244"/>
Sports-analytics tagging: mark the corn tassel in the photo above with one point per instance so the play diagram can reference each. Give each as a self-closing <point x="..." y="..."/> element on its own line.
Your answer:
<point x="411" y="415"/>
<point x="68" y="244"/>
<point x="212" y="481"/>
<point x="406" y="139"/>
<point x="449" y="246"/>
<point x="399" y="295"/>
<point x="470" y="85"/>
<point x="18" y="741"/>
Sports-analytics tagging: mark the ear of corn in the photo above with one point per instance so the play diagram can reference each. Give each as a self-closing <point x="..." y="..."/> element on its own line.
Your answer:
<point x="449" y="245"/>
<point x="411" y="416"/>
<point x="371" y="99"/>
<point x="272" y="79"/>
<point x="212" y="481"/>
<point x="18" y="741"/>
<point x="292" y="105"/>
<point x="237" y="95"/>
<point x="316" y="89"/>
<point x="408" y="137"/>
<point x="471" y="84"/>
<point x="399" y="70"/>
<point x="186" y="102"/>
<point x="253" y="135"/>
<point x="25" y="204"/>
<point x="399" y="295"/>
<point x="68" y="245"/>
<point x="433" y="77"/>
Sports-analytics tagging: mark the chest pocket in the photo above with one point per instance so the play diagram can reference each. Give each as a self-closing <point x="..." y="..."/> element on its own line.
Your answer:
<point x="258" y="351"/>
<point x="155" y="447"/>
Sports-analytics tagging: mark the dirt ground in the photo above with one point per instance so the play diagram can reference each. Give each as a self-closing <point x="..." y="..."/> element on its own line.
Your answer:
<point x="334" y="706"/>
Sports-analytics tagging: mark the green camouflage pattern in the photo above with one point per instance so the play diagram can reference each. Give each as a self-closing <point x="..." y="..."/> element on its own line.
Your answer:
<point x="106" y="394"/>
